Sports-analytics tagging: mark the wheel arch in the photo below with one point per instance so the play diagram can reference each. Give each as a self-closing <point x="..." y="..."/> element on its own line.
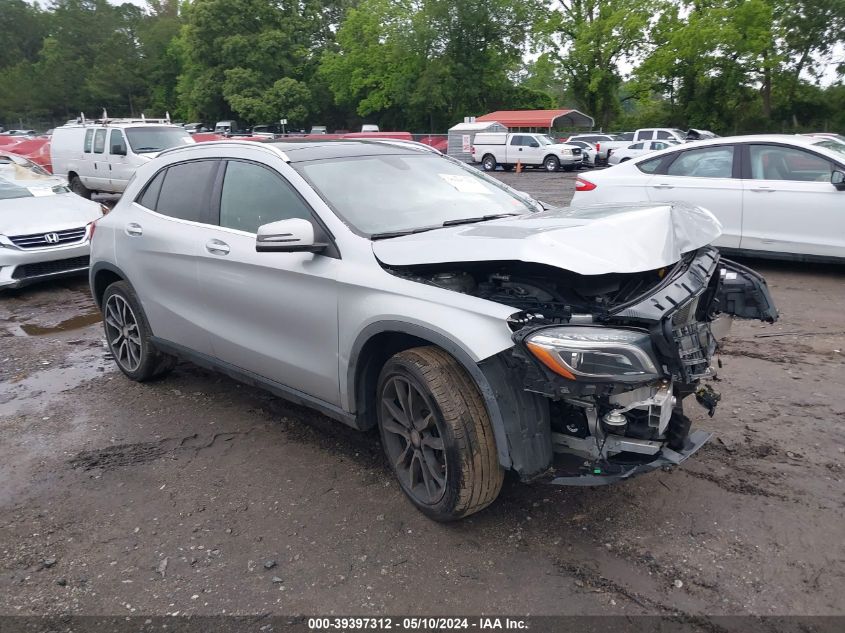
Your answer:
<point x="379" y="341"/>
<point x="102" y="275"/>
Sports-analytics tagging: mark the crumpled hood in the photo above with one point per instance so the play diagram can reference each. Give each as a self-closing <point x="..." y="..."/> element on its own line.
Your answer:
<point x="589" y="240"/>
<point x="25" y="216"/>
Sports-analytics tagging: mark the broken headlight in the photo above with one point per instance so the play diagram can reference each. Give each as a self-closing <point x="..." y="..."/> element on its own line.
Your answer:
<point x="595" y="353"/>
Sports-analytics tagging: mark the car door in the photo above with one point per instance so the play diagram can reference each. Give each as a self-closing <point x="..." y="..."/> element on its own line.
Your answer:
<point x="520" y="150"/>
<point x="707" y="177"/>
<point x="789" y="203"/>
<point x="160" y="248"/>
<point x="273" y="314"/>
<point x="98" y="171"/>
<point x="120" y="169"/>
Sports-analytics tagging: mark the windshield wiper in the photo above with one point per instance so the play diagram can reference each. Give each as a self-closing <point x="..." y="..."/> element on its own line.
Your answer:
<point x="147" y="149"/>
<point x="389" y="234"/>
<point x="483" y="218"/>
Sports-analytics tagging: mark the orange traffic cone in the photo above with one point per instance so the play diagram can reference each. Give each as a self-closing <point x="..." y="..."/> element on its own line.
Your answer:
<point x="519" y="166"/>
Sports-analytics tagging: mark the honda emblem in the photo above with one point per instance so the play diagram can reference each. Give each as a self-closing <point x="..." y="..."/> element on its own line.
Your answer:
<point x="51" y="238"/>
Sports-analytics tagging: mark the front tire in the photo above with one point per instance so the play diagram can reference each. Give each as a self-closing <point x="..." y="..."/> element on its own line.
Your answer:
<point x="489" y="163"/>
<point x="128" y="335"/>
<point x="437" y="435"/>
<point x="78" y="188"/>
<point x="551" y="163"/>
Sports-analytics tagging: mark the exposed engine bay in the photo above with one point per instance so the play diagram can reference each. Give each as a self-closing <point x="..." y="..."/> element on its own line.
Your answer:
<point x="612" y="357"/>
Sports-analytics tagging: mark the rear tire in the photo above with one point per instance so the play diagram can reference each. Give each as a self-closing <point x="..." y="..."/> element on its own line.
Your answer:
<point x="128" y="335"/>
<point x="489" y="163"/>
<point x="437" y="435"/>
<point x="78" y="188"/>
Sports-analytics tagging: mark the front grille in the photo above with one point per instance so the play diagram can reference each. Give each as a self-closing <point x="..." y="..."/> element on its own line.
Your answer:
<point x="49" y="238"/>
<point x="576" y="151"/>
<point x="26" y="271"/>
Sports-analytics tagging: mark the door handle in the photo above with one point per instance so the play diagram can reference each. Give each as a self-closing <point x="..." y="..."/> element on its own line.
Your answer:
<point x="216" y="247"/>
<point x="134" y="229"/>
<point x="663" y="186"/>
<point x="762" y="190"/>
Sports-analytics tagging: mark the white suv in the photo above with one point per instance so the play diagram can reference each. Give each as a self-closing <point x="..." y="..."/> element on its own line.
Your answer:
<point x="389" y="286"/>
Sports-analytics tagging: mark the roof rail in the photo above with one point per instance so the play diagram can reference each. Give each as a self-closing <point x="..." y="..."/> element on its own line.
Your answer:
<point x="270" y="147"/>
<point x="106" y="120"/>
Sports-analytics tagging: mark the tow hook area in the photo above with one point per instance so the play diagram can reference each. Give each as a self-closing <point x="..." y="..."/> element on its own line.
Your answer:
<point x="708" y="398"/>
<point x="612" y="473"/>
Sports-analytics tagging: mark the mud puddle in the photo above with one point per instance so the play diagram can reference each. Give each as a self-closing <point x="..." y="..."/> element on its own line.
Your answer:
<point x="68" y="325"/>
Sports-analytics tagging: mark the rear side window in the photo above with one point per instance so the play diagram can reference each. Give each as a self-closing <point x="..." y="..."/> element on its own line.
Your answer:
<point x="636" y="146"/>
<point x="254" y="195"/>
<point x="650" y="166"/>
<point x="707" y="162"/>
<point x="519" y="140"/>
<point x="89" y="137"/>
<point x="99" y="141"/>
<point x="182" y="191"/>
<point x="149" y="197"/>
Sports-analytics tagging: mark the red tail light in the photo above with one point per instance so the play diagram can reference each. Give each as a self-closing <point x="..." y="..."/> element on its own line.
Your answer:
<point x="582" y="184"/>
<point x="472" y="149"/>
<point x="598" y="147"/>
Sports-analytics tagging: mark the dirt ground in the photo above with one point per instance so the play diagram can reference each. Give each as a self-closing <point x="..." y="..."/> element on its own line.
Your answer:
<point x="198" y="495"/>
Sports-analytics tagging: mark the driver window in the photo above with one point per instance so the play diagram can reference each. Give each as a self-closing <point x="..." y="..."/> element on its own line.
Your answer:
<point x="775" y="162"/>
<point x="710" y="162"/>
<point x="254" y="195"/>
<point x="116" y="142"/>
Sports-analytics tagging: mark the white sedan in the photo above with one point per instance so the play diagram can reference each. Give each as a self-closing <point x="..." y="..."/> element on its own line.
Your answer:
<point x="45" y="229"/>
<point x="636" y="150"/>
<point x="776" y="195"/>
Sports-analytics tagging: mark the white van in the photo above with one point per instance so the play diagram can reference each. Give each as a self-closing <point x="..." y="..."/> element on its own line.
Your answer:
<point x="101" y="156"/>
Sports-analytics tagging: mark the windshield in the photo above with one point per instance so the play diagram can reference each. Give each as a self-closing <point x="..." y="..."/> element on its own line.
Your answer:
<point x="835" y="146"/>
<point x="545" y="139"/>
<point x="396" y="193"/>
<point x="155" y="139"/>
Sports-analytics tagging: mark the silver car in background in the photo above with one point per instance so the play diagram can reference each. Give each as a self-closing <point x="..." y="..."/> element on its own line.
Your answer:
<point x="44" y="228"/>
<point x="392" y="287"/>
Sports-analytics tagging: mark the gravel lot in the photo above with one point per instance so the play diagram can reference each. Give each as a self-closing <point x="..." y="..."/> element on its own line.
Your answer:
<point x="198" y="495"/>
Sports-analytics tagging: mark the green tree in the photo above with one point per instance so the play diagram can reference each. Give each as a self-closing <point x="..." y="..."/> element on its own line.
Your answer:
<point x="589" y="39"/>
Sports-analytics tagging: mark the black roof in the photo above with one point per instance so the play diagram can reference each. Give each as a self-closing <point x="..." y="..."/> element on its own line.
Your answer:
<point x="316" y="150"/>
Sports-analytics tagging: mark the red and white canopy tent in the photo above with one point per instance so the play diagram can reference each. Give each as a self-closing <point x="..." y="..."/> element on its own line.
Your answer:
<point x="539" y="120"/>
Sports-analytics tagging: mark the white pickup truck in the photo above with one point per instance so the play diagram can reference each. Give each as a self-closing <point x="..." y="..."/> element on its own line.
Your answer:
<point x="536" y="150"/>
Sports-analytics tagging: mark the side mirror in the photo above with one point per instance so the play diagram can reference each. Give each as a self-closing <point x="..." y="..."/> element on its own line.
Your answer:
<point x="118" y="150"/>
<point x="837" y="179"/>
<point x="287" y="236"/>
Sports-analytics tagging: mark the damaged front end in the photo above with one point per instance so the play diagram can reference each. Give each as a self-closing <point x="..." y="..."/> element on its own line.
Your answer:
<point x="617" y="379"/>
<point x="594" y="388"/>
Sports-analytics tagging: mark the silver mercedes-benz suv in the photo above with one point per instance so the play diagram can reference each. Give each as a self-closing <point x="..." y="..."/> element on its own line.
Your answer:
<point x="386" y="285"/>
